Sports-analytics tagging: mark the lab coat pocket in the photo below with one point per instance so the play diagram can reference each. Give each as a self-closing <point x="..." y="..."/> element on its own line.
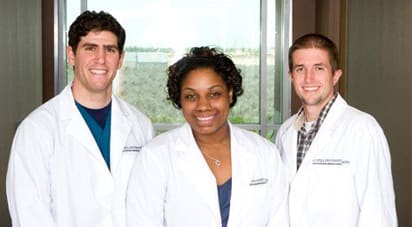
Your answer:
<point x="258" y="182"/>
<point x="258" y="189"/>
<point x="257" y="202"/>
<point x="328" y="184"/>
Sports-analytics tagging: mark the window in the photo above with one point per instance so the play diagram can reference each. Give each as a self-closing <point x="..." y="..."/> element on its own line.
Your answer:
<point x="255" y="34"/>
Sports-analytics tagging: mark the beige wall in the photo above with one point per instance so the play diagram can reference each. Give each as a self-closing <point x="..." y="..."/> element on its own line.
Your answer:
<point x="20" y="73"/>
<point x="379" y="72"/>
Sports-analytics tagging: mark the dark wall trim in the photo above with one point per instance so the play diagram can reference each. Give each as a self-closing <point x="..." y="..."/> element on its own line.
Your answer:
<point x="48" y="48"/>
<point x="343" y="84"/>
<point x="327" y="17"/>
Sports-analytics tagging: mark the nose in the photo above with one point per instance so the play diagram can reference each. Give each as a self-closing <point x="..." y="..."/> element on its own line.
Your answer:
<point x="100" y="56"/>
<point x="203" y="104"/>
<point x="309" y="75"/>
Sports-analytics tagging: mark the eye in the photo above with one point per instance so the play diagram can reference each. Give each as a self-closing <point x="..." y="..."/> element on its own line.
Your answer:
<point x="319" y="68"/>
<point x="111" y="49"/>
<point x="189" y="97"/>
<point x="215" y="94"/>
<point x="299" y="69"/>
<point x="90" y="48"/>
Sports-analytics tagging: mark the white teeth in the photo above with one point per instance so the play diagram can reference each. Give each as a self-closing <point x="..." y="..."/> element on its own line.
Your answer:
<point x="97" y="71"/>
<point x="310" y="88"/>
<point x="204" y="118"/>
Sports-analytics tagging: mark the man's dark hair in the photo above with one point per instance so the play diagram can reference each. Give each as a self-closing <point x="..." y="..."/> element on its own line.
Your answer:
<point x="93" y="21"/>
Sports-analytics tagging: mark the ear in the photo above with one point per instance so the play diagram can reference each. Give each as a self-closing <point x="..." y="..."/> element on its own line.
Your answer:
<point x="70" y="55"/>
<point x="121" y="60"/>
<point x="290" y="76"/>
<point x="336" y="76"/>
<point x="231" y="95"/>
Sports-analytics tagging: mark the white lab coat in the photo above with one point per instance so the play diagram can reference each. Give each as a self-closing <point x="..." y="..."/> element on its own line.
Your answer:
<point x="57" y="176"/>
<point x="345" y="178"/>
<point x="171" y="184"/>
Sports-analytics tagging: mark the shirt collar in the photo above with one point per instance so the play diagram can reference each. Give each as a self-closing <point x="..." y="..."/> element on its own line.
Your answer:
<point x="300" y="119"/>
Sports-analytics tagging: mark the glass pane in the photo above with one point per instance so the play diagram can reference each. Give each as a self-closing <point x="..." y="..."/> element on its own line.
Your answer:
<point x="72" y="11"/>
<point x="274" y="62"/>
<point x="271" y="135"/>
<point x="247" y="107"/>
<point x="160" y="31"/>
<point x="276" y="20"/>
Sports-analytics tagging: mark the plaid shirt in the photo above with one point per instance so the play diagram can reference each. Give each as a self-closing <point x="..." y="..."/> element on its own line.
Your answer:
<point x="305" y="138"/>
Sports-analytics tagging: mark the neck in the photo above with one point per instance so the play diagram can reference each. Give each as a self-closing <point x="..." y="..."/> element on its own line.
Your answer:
<point x="91" y="100"/>
<point x="312" y="111"/>
<point x="311" y="114"/>
<point x="220" y="137"/>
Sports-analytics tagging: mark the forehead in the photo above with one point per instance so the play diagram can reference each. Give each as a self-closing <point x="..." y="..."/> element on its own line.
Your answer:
<point x="100" y="37"/>
<point x="310" y="56"/>
<point x="203" y="77"/>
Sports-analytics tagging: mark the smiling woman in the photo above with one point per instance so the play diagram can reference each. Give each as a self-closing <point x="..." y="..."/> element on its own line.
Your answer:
<point x="205" y="84"/>
<point x="186" y="166"/>
<point x="253" y="33"/>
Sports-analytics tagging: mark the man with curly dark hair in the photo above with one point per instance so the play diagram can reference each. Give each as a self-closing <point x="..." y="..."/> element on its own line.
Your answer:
<point x="71" y="157"/>
<point x="207" y="172"/>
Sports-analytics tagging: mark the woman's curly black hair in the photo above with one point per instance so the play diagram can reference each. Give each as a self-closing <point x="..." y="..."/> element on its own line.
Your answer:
<point x="203" y="57"/>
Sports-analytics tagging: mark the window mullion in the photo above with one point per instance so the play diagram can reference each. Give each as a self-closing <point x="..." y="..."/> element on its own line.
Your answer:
<point x="263" y="67"/>
<point x="59" y="45"/>
<point x="286" y="36"/>
<point x="83" y="5"/>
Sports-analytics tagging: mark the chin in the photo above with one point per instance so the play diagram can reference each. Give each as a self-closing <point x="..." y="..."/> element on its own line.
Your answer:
<point x="203" y="130"/>
<point x="311" y="102"/>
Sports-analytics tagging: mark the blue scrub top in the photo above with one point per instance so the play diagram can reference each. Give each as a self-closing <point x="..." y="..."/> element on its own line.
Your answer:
<point x="225" y="192"/>
<point x="99" y="123"/>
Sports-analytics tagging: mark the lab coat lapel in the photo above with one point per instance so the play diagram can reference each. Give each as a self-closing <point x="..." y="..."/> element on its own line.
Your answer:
<point x="191" y="162"/>
<point x="289" y="149"/>
<point x="243" y="165"/>
<point x="81" y="132"/>
<point x="325" y="133"/>
<point x="77" y="127"/>
<point x="322" y="138"/>
<point x="120" y="131"/>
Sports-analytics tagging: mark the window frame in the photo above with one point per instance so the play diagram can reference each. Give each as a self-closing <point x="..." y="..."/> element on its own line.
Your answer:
<point x="263" y="127"/>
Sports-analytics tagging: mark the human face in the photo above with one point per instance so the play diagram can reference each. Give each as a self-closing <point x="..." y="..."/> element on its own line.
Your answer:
<point x="205" y="101"/>
<point x="312" y="77"/>
<point x="95" y="62"/>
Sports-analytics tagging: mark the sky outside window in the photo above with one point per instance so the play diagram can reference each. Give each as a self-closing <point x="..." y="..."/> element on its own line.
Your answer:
<point x="159" y="32"/>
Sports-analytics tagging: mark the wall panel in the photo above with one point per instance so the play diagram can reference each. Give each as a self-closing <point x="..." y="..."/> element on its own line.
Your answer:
<point x="20" y="74"/>
<point x="379" y="73"/>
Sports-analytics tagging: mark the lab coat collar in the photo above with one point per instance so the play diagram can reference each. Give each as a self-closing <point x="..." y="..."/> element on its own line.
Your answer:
<point x="196" y="169"/>
<point x="243" y="165"/>
<point x="337" y="108"/>
<point x="191" y="162"/>
<point x="120" y="130"/>
<point x="335" y="113"/>
<point x="325" y="133"/>
<point x="78" y="128"/>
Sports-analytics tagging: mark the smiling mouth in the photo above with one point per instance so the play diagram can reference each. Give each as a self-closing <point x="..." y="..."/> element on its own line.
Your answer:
<point x="204" y="118"/>
<point x="310" y="88"/>
<point x="98" y="71"/>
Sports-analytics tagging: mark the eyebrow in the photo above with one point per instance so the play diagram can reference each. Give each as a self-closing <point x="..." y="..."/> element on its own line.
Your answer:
<point x="210" y="88"/>
<point x="105" y="46"/>
<point x="301" y="65"/>
<point x="296" y="66"/>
